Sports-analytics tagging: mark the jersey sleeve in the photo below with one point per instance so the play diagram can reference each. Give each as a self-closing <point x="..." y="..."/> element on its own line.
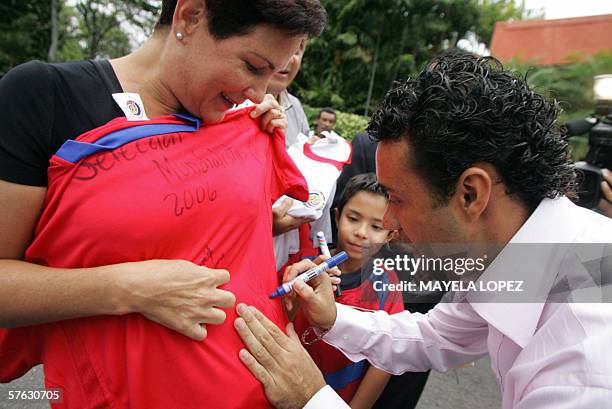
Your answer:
<point x="287" y="178"/>
<point x="19" y="352"/>
<point x="26" y="123"/>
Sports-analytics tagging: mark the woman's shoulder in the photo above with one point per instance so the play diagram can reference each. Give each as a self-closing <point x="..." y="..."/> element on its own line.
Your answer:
<point x="36" y="71"/>
<point x="28" y="68"/>
<point x="38" y="74"/>
<point x="26" y="74"/>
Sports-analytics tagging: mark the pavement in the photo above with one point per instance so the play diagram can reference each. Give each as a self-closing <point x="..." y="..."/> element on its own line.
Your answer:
<point x="463" y="388"/>
<point x="33" y="380"/>
<point x="471" y="387"/>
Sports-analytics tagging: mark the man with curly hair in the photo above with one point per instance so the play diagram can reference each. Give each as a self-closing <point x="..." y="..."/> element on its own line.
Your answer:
<point x="469" y="154"/>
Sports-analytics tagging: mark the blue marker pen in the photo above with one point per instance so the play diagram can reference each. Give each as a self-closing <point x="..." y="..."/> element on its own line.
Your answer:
<point x="312" y="273"/>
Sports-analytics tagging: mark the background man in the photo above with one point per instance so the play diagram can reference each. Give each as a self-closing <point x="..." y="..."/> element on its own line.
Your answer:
<point x="324" y="122"/>
<point x="468" y="154"/>
<point x="278" y="87"/>
<point x="297" y="123"/>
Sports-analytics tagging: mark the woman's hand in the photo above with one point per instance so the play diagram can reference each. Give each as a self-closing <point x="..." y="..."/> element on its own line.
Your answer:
<point x="177" y="294"/>
<point x="272" y="114"/>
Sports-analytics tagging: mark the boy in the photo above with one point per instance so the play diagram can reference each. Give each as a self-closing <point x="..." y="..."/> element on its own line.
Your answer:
<point x="360" y="233"/>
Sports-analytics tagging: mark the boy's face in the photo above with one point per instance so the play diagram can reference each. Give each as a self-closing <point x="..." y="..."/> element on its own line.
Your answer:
<point x="360" y="231"/>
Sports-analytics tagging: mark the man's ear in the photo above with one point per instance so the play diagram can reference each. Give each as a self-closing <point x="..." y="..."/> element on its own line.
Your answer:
<point x="474" y="189"/>
<point x="189" y="15"/>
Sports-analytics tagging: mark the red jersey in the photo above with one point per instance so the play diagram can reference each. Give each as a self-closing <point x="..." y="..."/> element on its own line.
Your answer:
<point x="358" y="290"/>
<point x="159" y="189"/>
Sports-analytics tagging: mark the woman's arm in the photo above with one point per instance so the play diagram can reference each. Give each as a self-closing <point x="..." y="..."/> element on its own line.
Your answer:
<point x="175" y="293"/>
<point x="370" y="388"/>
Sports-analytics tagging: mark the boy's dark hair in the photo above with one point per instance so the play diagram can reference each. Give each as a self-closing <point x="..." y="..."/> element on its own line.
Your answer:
<point x="227" y="18"/>
<point x="365" y="182"/>
<point x="464" y="109"/>
<point x="327" y="110"/>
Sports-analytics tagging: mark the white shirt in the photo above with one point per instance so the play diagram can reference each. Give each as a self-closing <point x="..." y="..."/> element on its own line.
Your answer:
<point x="314" y="163"/>
<point x="543" y="355"/>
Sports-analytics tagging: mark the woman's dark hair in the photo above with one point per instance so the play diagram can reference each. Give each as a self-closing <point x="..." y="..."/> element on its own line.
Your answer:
<point x="227" y="18"/>
<point x="365" y="182"/>
<point x="464" y="109"/>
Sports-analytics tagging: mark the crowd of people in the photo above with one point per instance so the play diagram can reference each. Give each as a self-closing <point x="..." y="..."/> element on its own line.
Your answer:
<point x="152" y="203"/>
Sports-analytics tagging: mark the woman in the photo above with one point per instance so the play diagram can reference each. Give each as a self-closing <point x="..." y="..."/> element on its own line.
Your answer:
<point x="204" y="57"/>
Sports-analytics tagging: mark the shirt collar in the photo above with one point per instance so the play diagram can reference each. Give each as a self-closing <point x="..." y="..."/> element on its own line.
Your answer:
<point x="283" y="98"/>
<point x="553" y="221"/>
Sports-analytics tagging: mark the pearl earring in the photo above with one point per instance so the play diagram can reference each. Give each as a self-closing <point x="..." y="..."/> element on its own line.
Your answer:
<point x="179" y="36"/>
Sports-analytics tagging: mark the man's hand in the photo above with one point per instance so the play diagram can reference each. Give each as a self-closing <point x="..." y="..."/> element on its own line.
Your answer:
<point x="177" y="294"/>
<point x="280" y="362"/>
<point x="316" y="297"/>
<point x="273" y="114"/>
<point x="605" y="204"/>
<point x="282" y="222"/>
<point x="292" y="302"/>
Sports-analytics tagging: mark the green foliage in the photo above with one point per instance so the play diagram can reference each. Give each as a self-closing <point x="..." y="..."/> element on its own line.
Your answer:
<point x="579" y="146"/>
<point x="347" y="124"/>
<point x="492" y="11"/>
<point x="24" y="32"/>
<point x="369" y="44"/>
<point x="103" y="25"/>
<point x="570" y="84"/>
<point x="86" y="28"/>
<point x="378" y="40"/>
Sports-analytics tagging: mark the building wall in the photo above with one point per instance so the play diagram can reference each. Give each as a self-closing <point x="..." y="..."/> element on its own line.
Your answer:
<point x="545" y="42"/>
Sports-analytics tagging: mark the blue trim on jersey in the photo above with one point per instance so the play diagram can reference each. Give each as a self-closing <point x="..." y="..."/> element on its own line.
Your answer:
<point x="197" y="122"/>
<point x="342" y="377"/>
<point x="73" y="151"/>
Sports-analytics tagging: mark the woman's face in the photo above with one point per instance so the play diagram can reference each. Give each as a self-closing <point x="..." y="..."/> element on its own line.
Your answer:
<point x="208" y="76"/>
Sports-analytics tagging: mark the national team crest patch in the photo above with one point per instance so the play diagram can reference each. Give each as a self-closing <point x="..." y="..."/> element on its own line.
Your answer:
<point x="133" y="107"/>
<point x="316" y="200"/>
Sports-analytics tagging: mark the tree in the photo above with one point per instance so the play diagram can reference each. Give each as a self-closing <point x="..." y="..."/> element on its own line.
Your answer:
<point x="104" y="25"/>
<point x="55" y="31"/>
<point x="368" y="44"/>
<point x="24" y="31"/>
<point x="54" y="22"/>
<point x="492" y="11"/>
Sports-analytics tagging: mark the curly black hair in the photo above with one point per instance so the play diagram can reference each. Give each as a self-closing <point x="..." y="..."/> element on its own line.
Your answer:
<point x="464" y="109"/>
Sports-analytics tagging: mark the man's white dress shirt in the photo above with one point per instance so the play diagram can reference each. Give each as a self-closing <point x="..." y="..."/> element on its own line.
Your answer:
<point x="543" y="355"/>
